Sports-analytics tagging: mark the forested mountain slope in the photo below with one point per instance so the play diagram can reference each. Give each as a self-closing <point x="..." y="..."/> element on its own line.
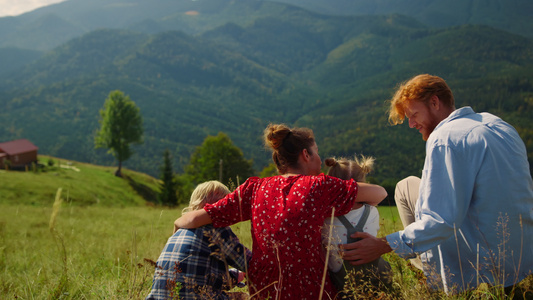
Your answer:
<point x="50" y="26"/>
<point x="330" y="73"/>
<point x="509" y="15"/>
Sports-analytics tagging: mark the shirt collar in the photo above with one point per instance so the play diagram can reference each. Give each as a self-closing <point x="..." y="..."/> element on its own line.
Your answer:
<point x="458" y="113"/>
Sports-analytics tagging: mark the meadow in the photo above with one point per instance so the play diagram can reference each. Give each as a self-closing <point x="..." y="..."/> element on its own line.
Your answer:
<point x="58" y="243"/>
<point x="73" y="252"/>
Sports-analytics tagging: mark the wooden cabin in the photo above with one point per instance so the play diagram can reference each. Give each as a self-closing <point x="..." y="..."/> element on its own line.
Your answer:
<point x="19" y="153"/>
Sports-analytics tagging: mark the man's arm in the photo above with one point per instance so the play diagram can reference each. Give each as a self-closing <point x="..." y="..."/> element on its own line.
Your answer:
<point x="366" y="250"/>
<point x="193" y="219"/>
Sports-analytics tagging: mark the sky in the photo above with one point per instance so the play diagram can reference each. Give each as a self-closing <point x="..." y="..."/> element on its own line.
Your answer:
<point x="17" y="7"/>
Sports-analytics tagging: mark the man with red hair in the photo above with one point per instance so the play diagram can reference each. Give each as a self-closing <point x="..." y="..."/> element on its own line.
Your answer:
<point x="474" y="212"/>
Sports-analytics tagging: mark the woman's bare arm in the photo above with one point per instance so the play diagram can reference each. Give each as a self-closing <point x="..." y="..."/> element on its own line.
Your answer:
<point x="193" y="219"/>
<point x="369" y="193"/>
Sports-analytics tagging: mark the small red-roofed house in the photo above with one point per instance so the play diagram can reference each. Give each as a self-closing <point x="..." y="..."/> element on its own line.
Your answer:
<point x="19" y="153"/>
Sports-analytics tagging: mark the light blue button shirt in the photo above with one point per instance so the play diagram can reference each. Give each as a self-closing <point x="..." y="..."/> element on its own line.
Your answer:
<point x="474" y="215"/>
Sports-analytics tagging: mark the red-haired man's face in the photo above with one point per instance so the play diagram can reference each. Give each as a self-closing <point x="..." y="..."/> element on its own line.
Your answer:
<point x="422" y="117"/>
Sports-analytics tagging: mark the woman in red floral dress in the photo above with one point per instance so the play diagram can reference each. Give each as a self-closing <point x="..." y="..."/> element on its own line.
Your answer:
<point x="287" y="212"/>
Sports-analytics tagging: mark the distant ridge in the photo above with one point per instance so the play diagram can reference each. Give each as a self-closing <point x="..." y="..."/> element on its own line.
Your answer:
<point x="512" y="16"/>
<point x="285" y="64"/>
<point x="50" y="26"/>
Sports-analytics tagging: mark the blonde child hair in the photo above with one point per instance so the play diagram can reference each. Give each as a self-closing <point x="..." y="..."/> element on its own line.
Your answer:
<point x="366" y="218"/>
<point x="207" y="192"/>
<point x="344" y="168"/>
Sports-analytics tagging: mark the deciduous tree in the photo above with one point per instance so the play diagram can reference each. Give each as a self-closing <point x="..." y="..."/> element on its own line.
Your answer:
<point x="219" y="159"/>
<point x="120" y="125"/>
<point x="269" y="171"/>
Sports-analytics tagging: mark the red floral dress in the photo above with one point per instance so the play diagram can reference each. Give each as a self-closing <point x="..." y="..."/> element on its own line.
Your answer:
<point x="286" y="216"/>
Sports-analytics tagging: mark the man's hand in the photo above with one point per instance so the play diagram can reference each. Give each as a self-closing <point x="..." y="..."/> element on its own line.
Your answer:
<point x="366" y="250"/>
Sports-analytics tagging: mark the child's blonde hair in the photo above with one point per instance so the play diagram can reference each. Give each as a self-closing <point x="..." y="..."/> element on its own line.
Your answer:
<point x="344" y="168"/>
<point x="207" y="192"/>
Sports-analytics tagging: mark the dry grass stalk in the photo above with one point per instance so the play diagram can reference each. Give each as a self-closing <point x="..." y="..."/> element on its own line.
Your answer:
<point x="330" y="234"/>
<point x="55" y="210"/>
<point x="61" y="287"/>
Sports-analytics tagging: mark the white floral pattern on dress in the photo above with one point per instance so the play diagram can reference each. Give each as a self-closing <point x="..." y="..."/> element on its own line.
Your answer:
<point x="287" y="215"/>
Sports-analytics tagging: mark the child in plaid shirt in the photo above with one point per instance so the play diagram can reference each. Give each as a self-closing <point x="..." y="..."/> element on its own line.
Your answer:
<point x="194" y="263"/>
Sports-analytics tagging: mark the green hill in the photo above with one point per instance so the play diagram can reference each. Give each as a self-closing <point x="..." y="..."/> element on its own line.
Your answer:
<point x="82" y="185"/>
<point x="12" y="59"/>
<point x="185" y="87"/>
<point x="484" y="67"/>
<point x="332" y="74"/>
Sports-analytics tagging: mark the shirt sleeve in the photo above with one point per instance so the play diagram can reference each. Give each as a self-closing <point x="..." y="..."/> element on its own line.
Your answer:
<point x="446" y="191"/>
<point x="337" y="193"/>
<point x="226" y="245"/>
<point x="235" y="207"/>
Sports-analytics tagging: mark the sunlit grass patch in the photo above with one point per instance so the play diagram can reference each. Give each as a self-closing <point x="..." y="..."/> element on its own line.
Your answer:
<point x="108" y="252"/>
<point x="105" y="250"/>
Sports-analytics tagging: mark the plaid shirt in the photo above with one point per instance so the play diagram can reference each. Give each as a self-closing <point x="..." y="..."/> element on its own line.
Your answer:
<point x="197" y="260"/>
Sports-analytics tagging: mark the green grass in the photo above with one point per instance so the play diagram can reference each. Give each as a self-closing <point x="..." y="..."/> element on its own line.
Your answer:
<point x="84" y="184"/>
<point x="107" y="249"/>
<point x="103" y="249"/>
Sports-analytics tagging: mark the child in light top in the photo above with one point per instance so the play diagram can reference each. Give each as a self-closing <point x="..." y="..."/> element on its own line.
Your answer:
<point x="364" y="218"/>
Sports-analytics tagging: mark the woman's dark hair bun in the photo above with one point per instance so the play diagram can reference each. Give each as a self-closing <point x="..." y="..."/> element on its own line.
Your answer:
<point x="275" y="134"/>
<point x="287" y="144"/>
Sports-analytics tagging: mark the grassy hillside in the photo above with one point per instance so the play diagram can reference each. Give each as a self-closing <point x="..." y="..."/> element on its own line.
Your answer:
<point x="82" y="184"/>
<point x="92" y="252"/>
<point x="97" y="252"/>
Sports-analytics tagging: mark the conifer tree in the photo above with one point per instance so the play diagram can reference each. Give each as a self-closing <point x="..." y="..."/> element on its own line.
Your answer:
<point x="167" y="195"/>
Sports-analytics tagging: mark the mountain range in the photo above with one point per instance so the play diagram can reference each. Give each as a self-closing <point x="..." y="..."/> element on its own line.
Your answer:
<point x="509" y="15"/>
<point x="195" y="68"/>
<point x="50" y="26"/>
